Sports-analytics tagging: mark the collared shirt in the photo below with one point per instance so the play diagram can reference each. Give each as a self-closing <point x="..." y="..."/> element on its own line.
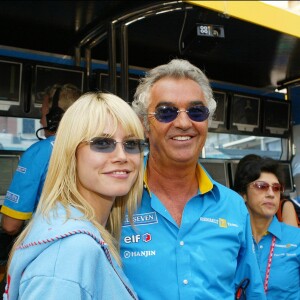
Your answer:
<point x="205" y="258"/>
<point x="26" y="187"/>
<point x="284" y="280"/>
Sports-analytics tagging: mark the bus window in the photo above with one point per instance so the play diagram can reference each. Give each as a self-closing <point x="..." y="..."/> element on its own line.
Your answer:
<point x="17" y="134"/>
<point x="234" y="146"/>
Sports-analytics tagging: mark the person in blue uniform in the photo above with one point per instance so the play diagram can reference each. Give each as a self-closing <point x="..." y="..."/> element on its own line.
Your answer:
<point x="68" y="250"/>
<point x="25" y="189"/>
<point x="277" y="244"/>
<point x="191" y="237"/>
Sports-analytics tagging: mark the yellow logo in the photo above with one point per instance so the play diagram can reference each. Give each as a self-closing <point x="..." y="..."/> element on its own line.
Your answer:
<point x="223" y="223"/>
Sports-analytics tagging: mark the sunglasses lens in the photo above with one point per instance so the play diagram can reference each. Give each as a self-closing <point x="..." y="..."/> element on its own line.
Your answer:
<point x="260" y="185"/>
<point x="108" y="145"/>
<point x="104" y="145"/>
<point x="264" y="186"/>
<point x="276" y="187"/>
<point x="134" y="146"/>
<point x="166" y="114"/>
<point x="198" y="113"/>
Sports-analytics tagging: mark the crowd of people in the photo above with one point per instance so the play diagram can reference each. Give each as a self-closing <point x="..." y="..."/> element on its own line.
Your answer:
<point x="110" y="222"/>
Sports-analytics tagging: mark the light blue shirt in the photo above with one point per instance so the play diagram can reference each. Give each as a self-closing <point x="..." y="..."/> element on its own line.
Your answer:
<point x="284" y="280"/>
<point x="26" y="187"/>
<point x="205" y="258"/>
<point x="64" y="260"/>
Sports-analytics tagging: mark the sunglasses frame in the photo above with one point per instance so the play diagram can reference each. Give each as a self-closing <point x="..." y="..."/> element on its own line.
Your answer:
<point x="264" y="186"/>
<point x="176" y="111"/>
<point x="112" y="143"/>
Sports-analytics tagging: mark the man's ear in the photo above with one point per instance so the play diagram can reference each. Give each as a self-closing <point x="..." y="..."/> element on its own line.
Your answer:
<point x="244" y="197"/>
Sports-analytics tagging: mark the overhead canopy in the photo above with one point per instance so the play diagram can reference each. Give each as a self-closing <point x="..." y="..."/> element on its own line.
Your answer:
<point x="260" y="46"/>
<point x="257" y="12"/>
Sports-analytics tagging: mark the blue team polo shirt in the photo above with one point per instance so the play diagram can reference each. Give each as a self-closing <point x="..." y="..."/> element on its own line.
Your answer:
<point x="284" y="280"/>
<point x="26" y="187"/>
<point x="204" y="258"/>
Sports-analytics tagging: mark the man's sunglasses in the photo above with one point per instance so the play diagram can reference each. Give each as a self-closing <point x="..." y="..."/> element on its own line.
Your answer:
<point x="108" y="145"/>
<point x="166" y="114"/>
<point x="264" y="186"/>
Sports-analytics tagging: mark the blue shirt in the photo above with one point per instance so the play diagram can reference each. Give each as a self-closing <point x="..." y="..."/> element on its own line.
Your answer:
<point x="65" y="259"/>
<point x="26" y="187"/>
<point x="205" y="258"/>
<point x="284" y="280"/>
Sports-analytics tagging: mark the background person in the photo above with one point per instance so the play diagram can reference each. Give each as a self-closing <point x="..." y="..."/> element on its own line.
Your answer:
<point x="287" y="213"/>
<point x="277" y="244"/>
<point x="192" y="236"/>
<point x="68" y="250"/>
<point x="28" y="181"/>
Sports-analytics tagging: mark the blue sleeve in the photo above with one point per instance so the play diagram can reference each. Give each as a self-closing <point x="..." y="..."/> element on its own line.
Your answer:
<point x="248" y="267"/>
<point x="41" y="287"/>
<point x="25" y="189"/>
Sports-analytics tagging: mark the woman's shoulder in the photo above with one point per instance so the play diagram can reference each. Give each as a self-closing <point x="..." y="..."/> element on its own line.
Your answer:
<point x="58" y="225"/>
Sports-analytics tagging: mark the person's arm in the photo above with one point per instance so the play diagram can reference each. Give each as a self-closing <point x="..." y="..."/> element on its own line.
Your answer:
<point x="247" y="266"/>
<point x="289" y="214"/>
<point x="25" y="189"/>
<point x="11" y="225"/>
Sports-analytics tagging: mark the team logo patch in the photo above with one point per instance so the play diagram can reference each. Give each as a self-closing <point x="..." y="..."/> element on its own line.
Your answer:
<point x="21" y="169"/>
<point x="147" y="237"/>
<point x="142" y="219"/>
<point x="223" y="223"/>
<point x="12" y="197"/>
<point x="136" y="238"/>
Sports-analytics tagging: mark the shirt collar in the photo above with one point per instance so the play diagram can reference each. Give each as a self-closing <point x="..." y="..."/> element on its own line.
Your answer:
<point x="204" y="181"/>
<point x="275" y="228"/>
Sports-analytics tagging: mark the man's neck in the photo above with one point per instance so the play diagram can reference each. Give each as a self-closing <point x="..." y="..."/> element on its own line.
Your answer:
<point x="173" y="187"/>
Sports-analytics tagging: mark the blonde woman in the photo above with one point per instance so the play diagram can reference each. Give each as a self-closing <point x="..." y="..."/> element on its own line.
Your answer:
<point x="70" y="248"/>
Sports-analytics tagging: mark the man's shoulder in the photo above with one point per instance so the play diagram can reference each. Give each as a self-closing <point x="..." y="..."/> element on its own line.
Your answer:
<point x="43" y="146"/>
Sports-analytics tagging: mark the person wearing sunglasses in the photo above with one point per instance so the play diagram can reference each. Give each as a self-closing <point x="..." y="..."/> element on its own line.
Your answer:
<point x="191" y="237"/>
<point x="70" y="249"/>
<point x="277" y="245"/>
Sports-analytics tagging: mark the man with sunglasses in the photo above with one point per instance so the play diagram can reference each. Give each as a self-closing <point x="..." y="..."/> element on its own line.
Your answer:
<point x="277" y="244"/>
<point x="191" y="237"/>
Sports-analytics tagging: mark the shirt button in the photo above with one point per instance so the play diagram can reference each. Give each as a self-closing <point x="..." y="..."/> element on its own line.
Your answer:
<point x="261" y="246"/>
<point x="181" y="243"/>
<point x="185" y="281"/>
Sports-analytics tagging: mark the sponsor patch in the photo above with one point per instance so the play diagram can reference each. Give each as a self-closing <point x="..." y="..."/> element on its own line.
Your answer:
<point x="136" y="238"/>
<point x="142" y="219"/>
<point x="221" y="222"/>
<point x="128" y="254"/>
<point x="21" y="169"/>
<point x="12" y="197"/>
<point x="286" y="246"/>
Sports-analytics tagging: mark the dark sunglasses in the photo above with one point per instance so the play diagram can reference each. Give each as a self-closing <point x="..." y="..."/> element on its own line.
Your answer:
<point x="166" y="114"/>
<point x="264" y="186"/>
<point x="108" y="145"/>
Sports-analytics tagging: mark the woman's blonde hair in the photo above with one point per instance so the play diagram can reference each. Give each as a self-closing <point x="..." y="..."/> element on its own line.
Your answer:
<point x="84" y="120"/>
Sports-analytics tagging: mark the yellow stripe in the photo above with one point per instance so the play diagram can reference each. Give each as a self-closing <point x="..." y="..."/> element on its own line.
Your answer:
<point x="205" y="184"/>
<point x="15" y="214"/>
<point x="257" y="12"/>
